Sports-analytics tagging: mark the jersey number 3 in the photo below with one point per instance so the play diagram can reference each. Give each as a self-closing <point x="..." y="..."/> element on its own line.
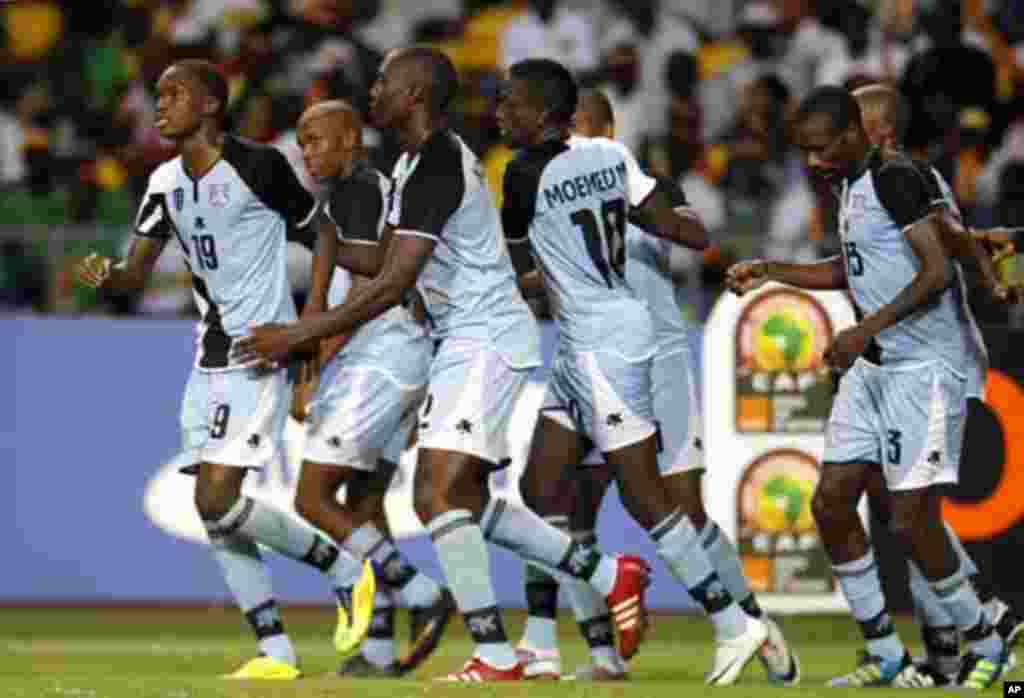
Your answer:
<point x="613" y="227"/>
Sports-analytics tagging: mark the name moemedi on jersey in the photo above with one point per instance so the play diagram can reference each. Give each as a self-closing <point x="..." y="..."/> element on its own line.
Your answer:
<point x="585" y="185"/>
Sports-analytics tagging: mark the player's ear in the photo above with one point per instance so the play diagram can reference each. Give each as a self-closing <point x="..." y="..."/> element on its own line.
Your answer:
<point x="211" y="106"/>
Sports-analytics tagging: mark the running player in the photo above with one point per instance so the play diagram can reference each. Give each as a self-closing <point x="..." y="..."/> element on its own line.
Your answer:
<point x="359" y="419"/>
<point x="230" y="204"/>
<point x="681" y="458"/>
<point x="885" y="116"/>
<point x="567" y="207"/>
<point x="447" y="244"/>
<point x="901" y="404"/>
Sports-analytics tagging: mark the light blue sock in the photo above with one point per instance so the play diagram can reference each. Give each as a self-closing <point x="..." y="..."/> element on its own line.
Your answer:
<point x="863" y="591"/>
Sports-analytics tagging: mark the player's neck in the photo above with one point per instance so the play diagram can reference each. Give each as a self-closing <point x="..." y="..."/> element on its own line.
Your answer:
<point x="418" y="130"/>
<point x="201" y="151"/>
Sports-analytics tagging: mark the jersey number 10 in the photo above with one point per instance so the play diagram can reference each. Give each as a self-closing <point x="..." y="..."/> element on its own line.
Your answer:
<point x="613" y="227"/>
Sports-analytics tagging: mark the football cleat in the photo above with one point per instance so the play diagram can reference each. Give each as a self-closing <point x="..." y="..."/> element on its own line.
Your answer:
<point x="626" y="603"/>
<point x="354" y="621"/>
<point x="599" y="672"/>
<point x="265" y="668"/>
<point x="978" y="673"/>
<point x="1008" y="624"/>
<point x="539" y="664"/>
<point x="779" y="661"/>
<point x="359" y="667"/>
<point x="874" y="671"/>
<point x="732" y="655"/>
<point x="479" y="671"/>
<point x="426" y="626"/>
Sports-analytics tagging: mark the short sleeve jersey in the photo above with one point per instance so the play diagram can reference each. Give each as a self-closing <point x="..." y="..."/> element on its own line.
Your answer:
<point x="570" y="201"/>
<point x="468" y="285"/>
<point x="232" y="224"/>
<point x="648" y="274"/>
<point x="943" y="195"/>
<point x="356" y="206"/>
<point x="876" y="207"/>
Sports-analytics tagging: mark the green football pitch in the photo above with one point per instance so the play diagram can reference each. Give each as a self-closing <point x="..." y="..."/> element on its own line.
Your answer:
<point x="178" y="653"/>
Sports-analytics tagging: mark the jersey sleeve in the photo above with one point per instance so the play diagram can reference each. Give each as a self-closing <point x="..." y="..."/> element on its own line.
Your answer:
<point x="519" y="202"/>
<point x="639" y="184"/>
<point x="903" y="192"/>
<point x="432" y="193"/>
<point x="154" y="218"/>
<point x="355" y="210"/>
<point x="269" y="174"/>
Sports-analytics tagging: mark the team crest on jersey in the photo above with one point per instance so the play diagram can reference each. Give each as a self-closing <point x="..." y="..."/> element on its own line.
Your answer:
<point x="219" y="195"/>
<point x="179" y="198"/>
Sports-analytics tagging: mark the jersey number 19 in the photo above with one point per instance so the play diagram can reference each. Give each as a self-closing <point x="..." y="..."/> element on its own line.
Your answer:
<point x="609" y="257"/>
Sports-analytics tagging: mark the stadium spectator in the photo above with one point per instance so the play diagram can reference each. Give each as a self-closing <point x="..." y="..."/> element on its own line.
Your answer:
<point x="551" y="29"/>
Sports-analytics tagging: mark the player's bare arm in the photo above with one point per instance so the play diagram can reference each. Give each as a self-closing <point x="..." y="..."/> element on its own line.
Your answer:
<point x="406" y="257"/>
<point x="324" y="260"/>
<point x="966" y="247"/>
<point x="933" y="276"/>
<point x="130" y="274"/>
<point x="824" y="275"/>
<point x="680" y="225"/>
<point x="531" y="284"/>
<point x="362" y="258"/>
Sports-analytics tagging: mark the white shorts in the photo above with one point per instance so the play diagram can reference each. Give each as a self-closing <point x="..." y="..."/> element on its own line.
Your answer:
<point x="359" y="416"/>
<point x="923" y="413"/>
<point x="234" y="418"/>
<point x="602" y="396"/>
<point x="907" y="419"/>
<point x="677" y="409"/>
<point x="470" y="399"/>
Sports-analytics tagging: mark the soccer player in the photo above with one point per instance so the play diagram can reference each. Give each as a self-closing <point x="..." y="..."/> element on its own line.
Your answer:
<point x="231" y="205"/>
<point x="680" y="459"/>
<point x="566" y="207"/>
<point x="885" y="116"/>
<point x="901" y="400"/>
<point x="448" y="246"/>
<point x="361" y="415"/>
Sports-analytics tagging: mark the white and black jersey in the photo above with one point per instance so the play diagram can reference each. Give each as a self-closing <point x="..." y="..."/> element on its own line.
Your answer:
<point x="356" y="207"/>
<point x="232" y="224"/>
<point x="468" y="285"/>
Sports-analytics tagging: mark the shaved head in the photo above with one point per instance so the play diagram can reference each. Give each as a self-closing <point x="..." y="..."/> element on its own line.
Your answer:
<point x="427" y="69"/>
<point x="594" y="114"/>
<point x="338" y="112"/>
<point x="330" y="135"/>
<point x="885" y="114"/>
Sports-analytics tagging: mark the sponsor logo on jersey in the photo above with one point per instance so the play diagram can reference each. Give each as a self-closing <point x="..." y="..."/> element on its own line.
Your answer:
<point x="219" y="194"/>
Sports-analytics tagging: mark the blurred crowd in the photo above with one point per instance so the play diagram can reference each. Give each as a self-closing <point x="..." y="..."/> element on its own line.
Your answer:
<point x="701" y="89"/>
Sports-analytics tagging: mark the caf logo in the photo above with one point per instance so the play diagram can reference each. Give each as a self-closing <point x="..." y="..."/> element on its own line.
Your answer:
<point x="783" y="330"/>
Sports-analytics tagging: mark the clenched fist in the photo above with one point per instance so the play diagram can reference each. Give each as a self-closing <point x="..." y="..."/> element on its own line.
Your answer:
<point x="94" y="270"/>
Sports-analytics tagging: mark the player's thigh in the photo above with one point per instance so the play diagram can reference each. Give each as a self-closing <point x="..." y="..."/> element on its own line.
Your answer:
<point x="321" y="482"/>
<point x="469" y="403"/>
<point x="355" y="415"/>
<point x="852" y="435"/>
<point x="234" y="418"/>
<point x="610" y="397"/>
<point x="923" y="413"/>
<point x="677" y="411"/>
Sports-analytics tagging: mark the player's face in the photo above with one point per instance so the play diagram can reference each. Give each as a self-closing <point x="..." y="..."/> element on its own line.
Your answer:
<point x="520" y="120"/>
<point x="387" y="96"/>
<point x="179" y="104"/>
<point x="825" y="149"/>
<point x="323" y="147"/>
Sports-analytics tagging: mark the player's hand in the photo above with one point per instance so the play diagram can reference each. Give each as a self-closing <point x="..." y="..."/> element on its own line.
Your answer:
<point x="846" y="347"/>
<point x="743" y="277"/>
<point x="330" y="347"/>
<point x="272" y="343"/>
<point x="305" y="387"/>
<point x="94" y="270"/>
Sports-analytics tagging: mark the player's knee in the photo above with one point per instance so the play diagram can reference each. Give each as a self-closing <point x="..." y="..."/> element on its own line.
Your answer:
<point x="826" y="504"/>
<point x="214" y="500"/>
<point x="307" y="503"/>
